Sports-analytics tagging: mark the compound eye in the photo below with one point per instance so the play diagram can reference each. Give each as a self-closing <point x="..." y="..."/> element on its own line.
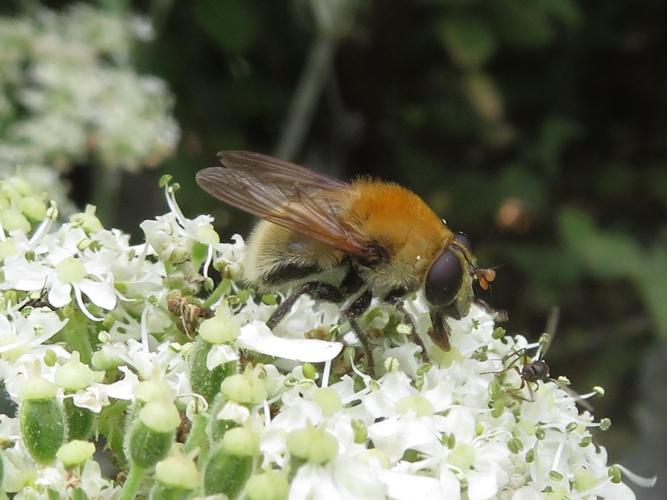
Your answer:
<point x="444" y="279"/>
<point x="463" y="240"/>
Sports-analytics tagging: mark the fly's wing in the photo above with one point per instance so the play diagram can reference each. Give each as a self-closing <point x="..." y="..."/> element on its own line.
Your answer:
<point x="288" y="195"/>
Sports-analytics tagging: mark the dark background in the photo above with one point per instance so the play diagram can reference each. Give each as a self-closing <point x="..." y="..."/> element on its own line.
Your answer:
<point x="537" y="127"/>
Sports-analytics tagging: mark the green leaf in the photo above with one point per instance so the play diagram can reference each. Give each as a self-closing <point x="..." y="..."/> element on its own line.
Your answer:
<point x="605" y="254"/>
<point x="468" y="40"/>
<point x="231" y="23"/>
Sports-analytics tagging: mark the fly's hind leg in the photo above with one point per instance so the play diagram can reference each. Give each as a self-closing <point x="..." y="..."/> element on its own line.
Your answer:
<point x="318" y="290"/>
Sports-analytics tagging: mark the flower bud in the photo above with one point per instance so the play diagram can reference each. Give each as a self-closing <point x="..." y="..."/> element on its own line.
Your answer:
<point x="328" y="400"/>
<point x="106" y="358"/>
<point x="269" y="485"/>
<point x="13" y="220"/>
<point x="204" y="381"/>
<point x="74" y="375"/>
<point x="222" y="328"/>
<point x="313" y="445"/>
<point x="230" y="464"/>
<point x="33" y="208"/>
<point x="87" y="220"/>
<point x="75" y="453"/>
<point x="153" y="390"/>
<point x="41" y="420"/>
<point x="80" y="421"/>
<point x="152" y="433"/>
<point x="176" y="477"/>
<point x="246" y="388"/>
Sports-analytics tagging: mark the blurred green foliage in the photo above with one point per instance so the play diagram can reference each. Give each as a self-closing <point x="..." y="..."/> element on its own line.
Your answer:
<point x="537" y="127"/>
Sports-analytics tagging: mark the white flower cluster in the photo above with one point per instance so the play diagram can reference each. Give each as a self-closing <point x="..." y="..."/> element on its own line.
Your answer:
<point x="140" y="339"/>
<point x="69" y="93"/>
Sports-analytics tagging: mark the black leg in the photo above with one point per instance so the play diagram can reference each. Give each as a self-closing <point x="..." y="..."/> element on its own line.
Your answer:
<point x="354" y="310"/>
<point x="318" y="290"/>
<point x="440" y="330"/>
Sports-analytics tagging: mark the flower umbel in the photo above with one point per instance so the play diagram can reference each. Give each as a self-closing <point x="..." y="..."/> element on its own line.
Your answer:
<point x="195" y="395"/>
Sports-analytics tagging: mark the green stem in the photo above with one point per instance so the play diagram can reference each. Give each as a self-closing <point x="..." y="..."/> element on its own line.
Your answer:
<point x="106" y="189"/>
<point x="197" y="433"/>
<point x="132" y="483"/>
<point x="223" y="287"/>
<point x="306" y="96"/>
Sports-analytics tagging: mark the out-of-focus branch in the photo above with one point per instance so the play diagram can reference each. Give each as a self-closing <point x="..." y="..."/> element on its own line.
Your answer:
<point x="334" y="20"/>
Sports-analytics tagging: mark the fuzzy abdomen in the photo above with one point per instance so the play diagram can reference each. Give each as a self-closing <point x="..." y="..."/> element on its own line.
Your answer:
<point x="276" y="257"/>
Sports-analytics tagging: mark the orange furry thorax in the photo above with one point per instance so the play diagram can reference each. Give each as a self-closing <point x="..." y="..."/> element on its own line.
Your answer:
<point x="396" y="218"/>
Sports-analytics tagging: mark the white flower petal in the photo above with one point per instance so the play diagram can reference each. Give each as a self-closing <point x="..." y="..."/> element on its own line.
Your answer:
<point x="123" y="389"/>
<point x="402" y="486"/>
<point x="220" y="354"/>
<point x="481" y="485"/>
<point x="60" y="294"/>
<point x="256" y="336"/>
<point x="101" y="294"/>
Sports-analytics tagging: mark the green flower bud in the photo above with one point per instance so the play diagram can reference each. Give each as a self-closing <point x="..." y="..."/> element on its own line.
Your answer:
<point x="312" y="444"/>
<point x="152" y="433"/>
<point x="87" y="220"/>
<point x="106" y="359"/>
<point x="246" y="388"/>
<point x="230" y="464"/>
<point x="33" y="208"/>
<point x="8" y="248"/>
<point x="75" y="453"/>
<point x="269" y="485"/>
<point x="222" y="328"/>
<point x="153" y="390"/>
<point x="160" y="416"/>
<point x="13" y="220"/>
<point x="328" y="400"/>
<point x="41" y="420"/>
<point x="309" y="371"/>
<point x="204" y="381"/>
<point x="177" y="472"/>
<point x="80" y="421"/>
<point x="74" y="375"/>
<point x="241" y="441"/>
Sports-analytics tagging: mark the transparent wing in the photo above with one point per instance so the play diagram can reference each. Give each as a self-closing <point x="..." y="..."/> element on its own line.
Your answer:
<point x="291" y="196"/>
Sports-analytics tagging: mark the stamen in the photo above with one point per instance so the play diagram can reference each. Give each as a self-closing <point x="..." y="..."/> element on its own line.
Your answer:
<point x="82" y="306"/>
<point x="644" y="482"/>
<point x="557" y="456"/>
<point x="209" y="259"/>
<point x="144" y="328"/>
<point x="325" y="373"/>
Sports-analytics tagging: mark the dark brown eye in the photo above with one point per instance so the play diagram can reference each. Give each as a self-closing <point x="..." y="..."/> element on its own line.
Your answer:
<point x="463" y="240"/>
<point x="444" y="279"/>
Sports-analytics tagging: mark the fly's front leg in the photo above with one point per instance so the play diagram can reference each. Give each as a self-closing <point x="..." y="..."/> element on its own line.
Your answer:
<point x="318" y="290"/>
<point x="440" y="330"/>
